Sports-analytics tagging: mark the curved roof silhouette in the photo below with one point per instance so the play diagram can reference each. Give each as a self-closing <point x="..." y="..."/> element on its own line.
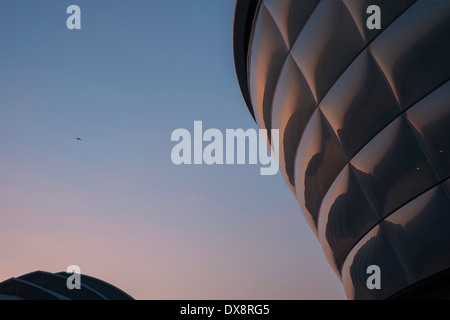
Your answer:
<point x="41" y="285"/>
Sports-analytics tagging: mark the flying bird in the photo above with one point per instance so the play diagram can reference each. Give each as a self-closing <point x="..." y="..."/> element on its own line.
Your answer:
<point x="79" y="139"/>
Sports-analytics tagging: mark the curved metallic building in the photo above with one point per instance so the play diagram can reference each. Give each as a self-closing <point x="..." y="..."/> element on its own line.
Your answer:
<point x="40" y="285"/>
<point x="364" y="123"/>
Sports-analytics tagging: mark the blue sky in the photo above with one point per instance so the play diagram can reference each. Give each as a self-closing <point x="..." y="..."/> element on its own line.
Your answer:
<point x="114" y="203"/>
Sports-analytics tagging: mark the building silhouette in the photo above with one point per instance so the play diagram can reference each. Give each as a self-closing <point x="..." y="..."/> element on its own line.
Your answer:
<point x="41" y="285"/>
<point x="364" y="122"/>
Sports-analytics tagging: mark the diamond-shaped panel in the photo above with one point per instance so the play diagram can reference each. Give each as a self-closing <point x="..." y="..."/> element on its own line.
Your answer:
<point x="291" y="16"/>
<point x="392" y="168"/>
<point x="294" y="104"/>
<point x="390" y="10"/>
<point x="414" y="53"/>
<point x="319" y="160"/>
<point x="267" y="55"/>
<point x="360" y="104"/>
<point x="327" y="44"/>
<point x="431" y="120"/>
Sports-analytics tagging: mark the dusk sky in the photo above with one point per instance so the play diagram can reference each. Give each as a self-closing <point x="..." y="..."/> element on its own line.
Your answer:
<point x="114" y="203"/>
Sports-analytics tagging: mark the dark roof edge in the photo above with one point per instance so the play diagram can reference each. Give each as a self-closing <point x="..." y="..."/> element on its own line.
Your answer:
<point x="99" y="282"/>
<point x="242" y="27"/>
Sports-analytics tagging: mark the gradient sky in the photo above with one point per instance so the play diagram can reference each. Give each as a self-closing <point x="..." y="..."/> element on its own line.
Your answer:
<point x="114" y="203"/>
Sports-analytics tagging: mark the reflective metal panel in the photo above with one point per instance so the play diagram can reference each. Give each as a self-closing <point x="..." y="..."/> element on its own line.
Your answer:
<point x="392" y="168"/>
<point x="293" y="106"/>
<point x="431" y="121"/>
<point x="360" y="104"/>
<point x="319" y="160"/>
<point x="390" y="10"/>
<point x="327" y="44"/>
<point x="291" y="16"/>
<point x="409" y="246"/>
<point x="375" y="249"/>
<point x="420" y="233"/>
<point x="414" y="52"/>
<point x="345" y="217"/>
<point x="267" y="55"/>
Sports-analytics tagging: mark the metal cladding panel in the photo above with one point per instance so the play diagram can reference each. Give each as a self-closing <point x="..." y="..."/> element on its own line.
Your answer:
<point x="413" y="52"/>
<point x="364" y="120"/>
<point x="293" y="106"/>
<point x="319" y="160"/>
<point x="327" y="44"/>
<point x="291" y="16"/>
<point x="409" y="246"/>
<point x="430" y="119"/>
<point x="266" y="59"/>
<point x="392" y="168"/>
<point x="360" y="104"/>
<point x="346" y="215"/>
<point x="391" y="10"/>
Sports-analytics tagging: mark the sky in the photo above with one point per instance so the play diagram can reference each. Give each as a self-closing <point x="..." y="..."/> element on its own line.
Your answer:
<point x="114" y="203"/>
